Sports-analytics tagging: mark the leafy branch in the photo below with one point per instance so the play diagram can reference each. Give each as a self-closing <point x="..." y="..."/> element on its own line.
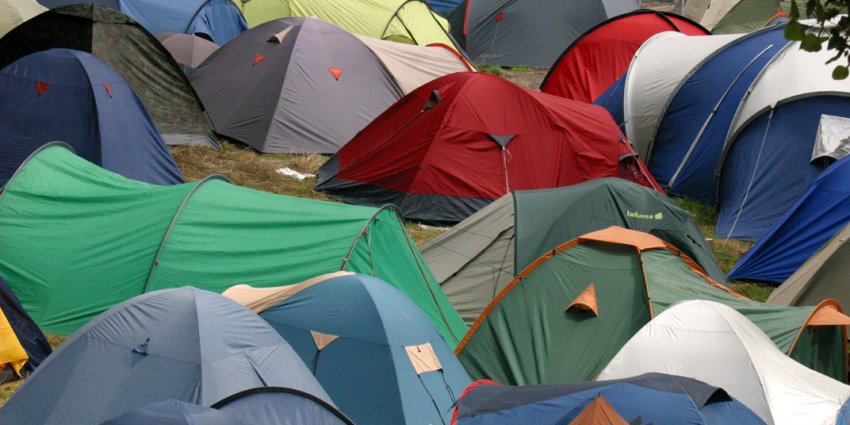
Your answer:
<point x="836" y="32"/>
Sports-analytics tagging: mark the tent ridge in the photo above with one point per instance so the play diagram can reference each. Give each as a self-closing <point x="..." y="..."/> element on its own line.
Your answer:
<point x="32" y="155"/>
<point x="174" y="221"/>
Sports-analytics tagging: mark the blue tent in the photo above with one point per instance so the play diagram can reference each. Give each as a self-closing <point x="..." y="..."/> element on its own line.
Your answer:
<point x="74" y="97"/>
<point x="283" y="406"/>
<point x="651" y="398"/>
<point x="183" y="344"/>
<point x="173" y="412"/>
<point x="822" y="210"/>
<point x="373" y="350"/>
<point x="218" y="20"/>
<point x="27" y="332"/>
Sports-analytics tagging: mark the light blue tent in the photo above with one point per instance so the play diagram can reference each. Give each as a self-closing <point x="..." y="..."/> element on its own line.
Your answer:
<point x="218" y="20"/>
<point x="173" y="412"/>
<point x="183" y="344"/>
<point x="373" y="350"/>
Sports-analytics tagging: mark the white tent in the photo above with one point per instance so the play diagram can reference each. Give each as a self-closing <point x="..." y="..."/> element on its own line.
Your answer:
<point x="715" y="344"/>
<point x="16" y="12"/>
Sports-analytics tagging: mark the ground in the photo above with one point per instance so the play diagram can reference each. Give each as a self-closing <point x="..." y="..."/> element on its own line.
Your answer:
<point x="245" y="167"/>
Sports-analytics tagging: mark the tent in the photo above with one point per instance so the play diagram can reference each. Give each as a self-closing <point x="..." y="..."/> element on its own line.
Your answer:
<point x="183" y="344"/>
<point x="478" y="257"/>
<point x="216" y="20"/>
<point x="189" y="50"/>
<point x="597" y="58"/>
<point x="305" y="85"/>
<point x="173" y="412"/>
<point x="406" y="21"/>
<point x="74" y="97"/>
<point x="356" y="331"/>
<point x="16" y="12"/>
<point x="278" y="405"/>
<point x="527" y="32"/>
<point x="736" y="16"/>
<point x="814" y="220"/>
<point x="458" y="143"/>
<point x="22" y="345"/>
<point x="652" y="398"/>
<point x="102" y="239"/>
<point x="715" y="344"/>
<point x="131" y="51"/>
<point x="565" y="316"/>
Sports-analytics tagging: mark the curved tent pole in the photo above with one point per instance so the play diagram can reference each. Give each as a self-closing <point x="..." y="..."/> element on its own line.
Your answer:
<point x="32" y="155"/>
<point x="174" y="221"/>
<point x="231" y="398"/>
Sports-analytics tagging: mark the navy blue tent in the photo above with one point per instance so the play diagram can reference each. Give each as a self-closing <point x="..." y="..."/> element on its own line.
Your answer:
<point x="73" y="97"/>
<point x="27" y="332"/>
<point x="217" y="20"/>
<point x="651" y="398"/>
<point x="183" y="344"/>
<point x="822" y="210"/>
<point x="373" y="350"/>
<point x="173" y="412"/>
<point x="283" y="406"/>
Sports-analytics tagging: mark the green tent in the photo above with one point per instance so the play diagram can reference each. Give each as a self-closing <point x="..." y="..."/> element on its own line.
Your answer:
<point x="567" y="315"/>
<point x="479" y="256"/>
<point x="407" y="21"/>
<point x="76" y="240"/>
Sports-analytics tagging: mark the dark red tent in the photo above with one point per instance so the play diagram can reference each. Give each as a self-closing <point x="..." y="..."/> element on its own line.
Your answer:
<point x="454" y="145"/>
<point x="599" y="57"/>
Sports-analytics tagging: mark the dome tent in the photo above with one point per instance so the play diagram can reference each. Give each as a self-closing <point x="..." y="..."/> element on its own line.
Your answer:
<point x="207" y="234"/>
<point x="311" y="85"/>
<point x="474" y="260"/>
<point x="713" y="343"/>
<point x="217" y="20"/>
<point x="17" y="12"/>
<point x="183" y="344"/>
<point x="736" y="16"/>
<point x="601" y="288"/>
<point x="594" y="61"/>
<point x="74" y="97"/>
<point x="131" y="51"/>
<point x="650" y="398"/>
<point x="527" y="32"/>
<point x="189" y="50"/>
<point x="173" y="412"/>
<point x="22" y="345"/>
<point x="356" y="331"/>
<point x="458" y="155"/>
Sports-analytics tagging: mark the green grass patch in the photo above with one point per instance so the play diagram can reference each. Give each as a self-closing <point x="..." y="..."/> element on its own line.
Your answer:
<point x="520" y="69"/>
<point x="704" y="215"/>
<point x="492" y="69"/>
<point x="753" y="291"/>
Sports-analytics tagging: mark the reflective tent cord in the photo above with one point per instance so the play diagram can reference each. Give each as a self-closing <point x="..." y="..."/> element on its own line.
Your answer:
<point x="750" y="185"/>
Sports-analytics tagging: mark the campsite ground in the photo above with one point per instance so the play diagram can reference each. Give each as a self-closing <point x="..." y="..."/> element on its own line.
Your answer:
<point x="245" y="167"/>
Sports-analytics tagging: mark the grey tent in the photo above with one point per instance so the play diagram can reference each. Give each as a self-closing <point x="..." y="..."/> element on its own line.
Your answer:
<point x="527" y="32"/>
<point x="477" y="258"/>
<point x="183" y="344"/>
<point x="824" y="275"/>
<point x="305" y="85"/>
<point x="188" y="50"/>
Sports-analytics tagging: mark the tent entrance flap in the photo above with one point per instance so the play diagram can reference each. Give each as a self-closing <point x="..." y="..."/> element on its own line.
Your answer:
<point x="833" y="138"/>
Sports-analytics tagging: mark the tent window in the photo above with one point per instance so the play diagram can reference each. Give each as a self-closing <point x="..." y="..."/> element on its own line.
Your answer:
<point x="833" y="138"/>
<point x="423" y="358"/>
<point x="586" y="301"/>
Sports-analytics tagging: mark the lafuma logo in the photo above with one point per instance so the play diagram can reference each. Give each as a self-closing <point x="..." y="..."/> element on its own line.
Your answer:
<point x="657" y="216"/>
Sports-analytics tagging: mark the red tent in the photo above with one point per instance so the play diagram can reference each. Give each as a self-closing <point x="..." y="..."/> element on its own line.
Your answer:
<point x="454" y="145"/>
<point x="598" y="58"/>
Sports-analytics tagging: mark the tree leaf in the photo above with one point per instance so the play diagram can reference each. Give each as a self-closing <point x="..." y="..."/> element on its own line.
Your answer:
<point x="795" y="31"/>
<point x="811" y="43"/>
<point x="794" y="15"/>
<point x="840" y="72"/>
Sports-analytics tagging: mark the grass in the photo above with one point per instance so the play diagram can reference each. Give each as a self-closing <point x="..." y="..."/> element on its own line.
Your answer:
<point x="520" y="69"/>
<point x="492" y="69"/>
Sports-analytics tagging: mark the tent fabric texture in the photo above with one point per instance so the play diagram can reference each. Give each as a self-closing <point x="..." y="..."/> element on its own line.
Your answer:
<point x="216" y="20"/>
<point x="736" y="16"/>
<point x="206" y="234"/>
<point x="16" y="12"/>
<point x="74" y="97"/>
<point x="806" y="228"/>
<point x="477" y="258"/>
<point x="527" y="32"/>
<point x="527" y="335"/>
<point x="713" y="343"/>
<point x="279" y="405"/>
<point x="356" y="331"/>
<point x="183" y="344"/>
<point x="458" y="143"/>
<point x="22" y="345"/>
<point x="651" y="398"/>
<point x="594" y="61"/>
<point x="305" y="85"/>
<point x="173" y="412"/>
<point x="131" y="51"/>
<point x="405" y="21"/>
<point x="189" y="50"/>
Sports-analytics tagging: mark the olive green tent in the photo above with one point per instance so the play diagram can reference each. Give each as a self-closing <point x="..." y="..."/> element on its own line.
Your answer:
<point x="479" y="256"/>
<point x="566" y="316"/>
<point x="77" y="240"/>
<point x="735" y="16"/>
<point x="406" y="21"/>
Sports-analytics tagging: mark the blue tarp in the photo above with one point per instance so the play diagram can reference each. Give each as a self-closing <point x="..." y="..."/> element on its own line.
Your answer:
<point x="654" y="398"/>
<point x="769" y="165"/>
<point x="29" y="335"/>
<point x="183" y="344"/>
<point x="221" y="20"/>
<point x="367" y="370"/>
<point x="822" y="210"/>
<point x="74" y="97"/>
